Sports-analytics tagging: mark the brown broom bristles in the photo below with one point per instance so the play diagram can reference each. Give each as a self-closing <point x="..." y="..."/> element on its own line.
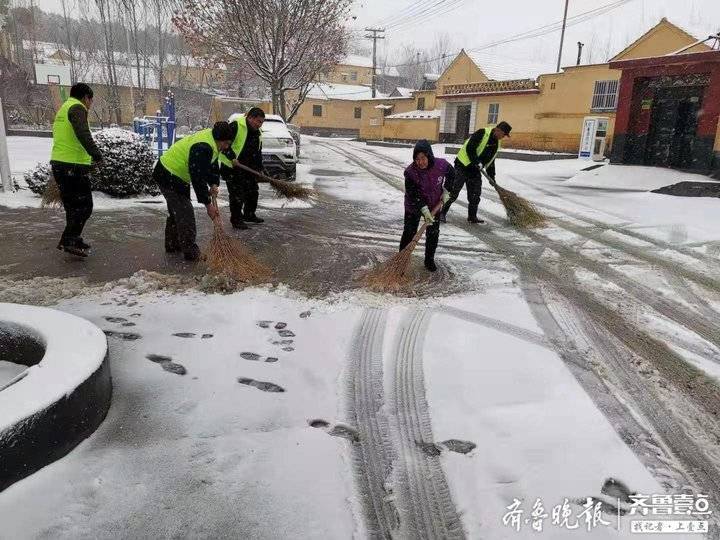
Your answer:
<point x="227" y="256"/>
<point x="50" y="197"/>
<point x="392" y="275"/>
<point x="289" y="190"/>
<point x="520" y="212"/>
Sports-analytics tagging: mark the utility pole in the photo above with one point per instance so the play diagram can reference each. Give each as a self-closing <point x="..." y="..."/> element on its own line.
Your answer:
<point x="580" y="48"/>
<point x="374" y="37"/>
<point x="562" y="35"/>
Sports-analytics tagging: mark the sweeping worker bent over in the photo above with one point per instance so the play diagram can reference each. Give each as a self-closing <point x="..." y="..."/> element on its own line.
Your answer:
<point x="73" y="154"/>
<point x="191" y="160"/>
<point x="478" y="151"/>
<point x="425" y="181"/>
<point x="242" y="185"/>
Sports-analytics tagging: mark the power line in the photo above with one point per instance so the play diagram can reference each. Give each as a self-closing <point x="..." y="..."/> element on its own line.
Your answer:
<point x="536" y="32"/>
<point x="407" y="11"/>
<point x="441" y="8"/>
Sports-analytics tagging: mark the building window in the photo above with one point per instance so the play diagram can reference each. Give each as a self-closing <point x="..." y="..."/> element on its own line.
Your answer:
<point x="317" y="110"/>
<point x="353" y="75"/>
<point x="358" y="112"/>
<point x="552" y="86"/>
<point x="493" y="112"/>
<point x="421" y="104"/>
<point x="605" y="96"/>
<point x="386" y="112"/>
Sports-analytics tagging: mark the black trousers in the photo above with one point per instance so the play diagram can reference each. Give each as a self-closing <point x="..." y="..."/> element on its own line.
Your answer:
<point x="474" y="190"/>
<point x="180" y="227"/>
<point x="243" y="193"/>
<point x="76" y="194"/>
<point x="432" y="234"/>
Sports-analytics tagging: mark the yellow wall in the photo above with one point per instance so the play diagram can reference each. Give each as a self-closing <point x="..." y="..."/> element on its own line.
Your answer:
<point x="336" y="113"/>
<point x="429" y="96"/>
<point x="717" y="139"/>
<point x="342" y="74"/>
<point x="100" y="104"/>
<point x="662" y="39"/>
<point x="461" y="70"/>
<point x="411" y="129"/>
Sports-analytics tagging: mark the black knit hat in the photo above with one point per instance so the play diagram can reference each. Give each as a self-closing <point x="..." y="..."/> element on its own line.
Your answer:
<point x="81" y="90"/>
<point x="222" y="131"/>
<point x="504" y="127"/>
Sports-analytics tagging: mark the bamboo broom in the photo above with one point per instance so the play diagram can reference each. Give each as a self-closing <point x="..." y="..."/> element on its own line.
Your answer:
<point x="520" y="212"/>
<point x="51" y="197"/>
<point x="228" y="256"/>
<point x="392" y="275"/>
<point x="289" y="190"/>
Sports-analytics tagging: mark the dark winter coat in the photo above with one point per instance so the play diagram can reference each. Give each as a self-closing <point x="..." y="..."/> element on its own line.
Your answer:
<point x="424" y="187"/>
<point x="473" y="171"/>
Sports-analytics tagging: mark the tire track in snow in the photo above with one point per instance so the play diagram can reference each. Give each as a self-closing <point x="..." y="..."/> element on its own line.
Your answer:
<point x="598" y="227"/>
<point x="373" y="453"/>
<point x="702" y="468"/>
<point x="708" y="329"/>
<point x="425" y="499"/>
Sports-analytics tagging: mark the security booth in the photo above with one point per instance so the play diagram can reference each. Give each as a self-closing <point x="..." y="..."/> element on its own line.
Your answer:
<point x="668" y="111"/>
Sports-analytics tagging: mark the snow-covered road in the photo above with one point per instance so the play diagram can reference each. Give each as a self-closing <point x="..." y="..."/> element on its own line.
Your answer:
<point x="535" y="366"/>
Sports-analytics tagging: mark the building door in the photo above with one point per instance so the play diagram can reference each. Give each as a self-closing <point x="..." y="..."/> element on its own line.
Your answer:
<point x="673" y="126"/>
<point x="462" y="123"/>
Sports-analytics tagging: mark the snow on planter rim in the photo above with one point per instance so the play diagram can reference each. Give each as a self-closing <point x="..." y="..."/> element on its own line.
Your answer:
<point x="74" y="350"/>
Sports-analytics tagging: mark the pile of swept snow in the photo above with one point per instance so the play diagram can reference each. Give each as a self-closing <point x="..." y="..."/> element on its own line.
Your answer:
<point x="126" y="168"/>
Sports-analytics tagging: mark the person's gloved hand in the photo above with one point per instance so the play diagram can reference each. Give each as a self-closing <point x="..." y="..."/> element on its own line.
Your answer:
<point x="427" y="215"/>
<point x="445" y="196"/>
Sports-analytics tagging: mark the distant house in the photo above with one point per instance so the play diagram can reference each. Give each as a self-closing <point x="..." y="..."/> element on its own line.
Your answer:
<point x="546" y="109"/>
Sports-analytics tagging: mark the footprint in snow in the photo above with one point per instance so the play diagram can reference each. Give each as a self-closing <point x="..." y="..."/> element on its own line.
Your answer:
<point x="280" y="325"/>
<point x="286" y="333"/>
<point x="207" y="336"/>
<point x="454" y="445"/>
<point x="115" y="319"/>
<point x="125" y="336"/>
<point x="184" y="335"/>
<point x="345" y="431"/>
<point x="261" y="385"/>
<point x="304" y="314"/>
<point x="318" y="423"/>
<point x="128" y="324"/>
<point x="257" y="358"/>
<point x="264" y="324"/>
<point x="167" y="364"/>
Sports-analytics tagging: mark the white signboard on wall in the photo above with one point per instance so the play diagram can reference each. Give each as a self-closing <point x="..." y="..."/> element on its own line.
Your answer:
<point x="587" y="138"/>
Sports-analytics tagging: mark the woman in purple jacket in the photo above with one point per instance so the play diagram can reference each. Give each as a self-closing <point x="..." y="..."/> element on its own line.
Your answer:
<point x="427" y="184"/>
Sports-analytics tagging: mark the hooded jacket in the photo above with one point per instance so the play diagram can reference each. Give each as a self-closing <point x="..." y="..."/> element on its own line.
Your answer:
<point x="424" y="187"/>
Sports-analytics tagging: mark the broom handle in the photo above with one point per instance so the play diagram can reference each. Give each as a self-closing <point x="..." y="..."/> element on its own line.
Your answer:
<point x="424" y="226"/>
<point x="486" y="175"/>
<point x="217" y="219"/>
<point x="256" y="173"/>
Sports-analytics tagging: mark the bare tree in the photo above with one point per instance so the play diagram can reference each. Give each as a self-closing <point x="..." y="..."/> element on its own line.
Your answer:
<point x="286" y="43"/>
<point x="441" y="53"/>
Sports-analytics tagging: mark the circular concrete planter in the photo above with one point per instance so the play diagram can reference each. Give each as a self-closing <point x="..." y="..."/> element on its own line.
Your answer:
<point x="63" y="395"/>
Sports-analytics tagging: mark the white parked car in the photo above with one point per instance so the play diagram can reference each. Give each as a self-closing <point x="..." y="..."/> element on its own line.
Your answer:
<point x="278" y="147"/>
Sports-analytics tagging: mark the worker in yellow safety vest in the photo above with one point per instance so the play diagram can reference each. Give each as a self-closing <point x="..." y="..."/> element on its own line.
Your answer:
<point x="479" y="151"/>
<point x="73" y="154"/>
<point x="242" y="185"/>
<point x="193" y="160"/>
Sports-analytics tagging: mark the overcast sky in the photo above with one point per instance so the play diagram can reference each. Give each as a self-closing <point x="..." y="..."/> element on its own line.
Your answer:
<point x="475" y="23"/>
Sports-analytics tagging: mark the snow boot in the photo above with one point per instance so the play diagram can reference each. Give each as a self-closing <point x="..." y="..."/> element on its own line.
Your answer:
<point x="73" y="249"/>
<point x="475" y="219"/>
<point x="241" y="225"/>
<point x="82" y="245"/>
<point x="254" y="219"/>
<point x="430" y="265"/>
